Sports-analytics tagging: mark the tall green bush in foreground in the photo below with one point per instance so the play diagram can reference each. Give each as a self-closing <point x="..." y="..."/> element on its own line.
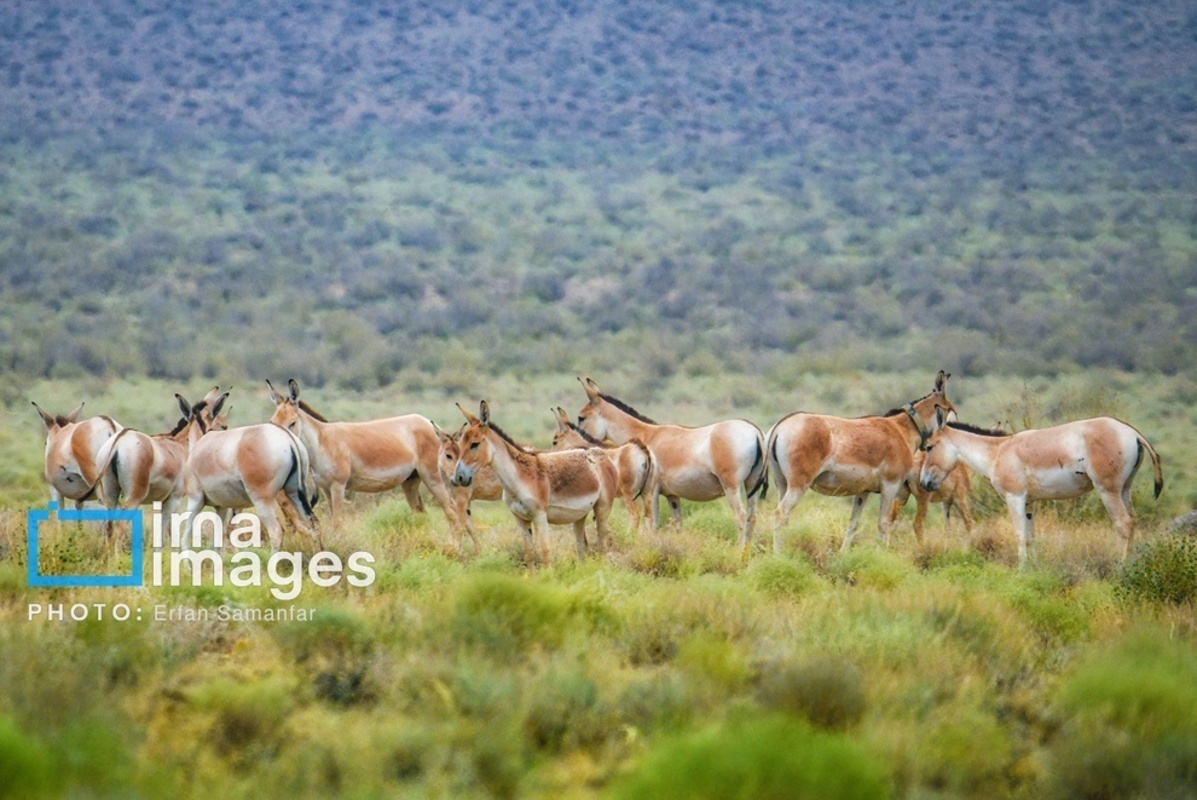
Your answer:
<point x="769" y="757"/>
<point x="1130" y="722"/>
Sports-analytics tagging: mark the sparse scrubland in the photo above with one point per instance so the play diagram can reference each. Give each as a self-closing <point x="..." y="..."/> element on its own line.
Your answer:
<point x="665" y="668"/>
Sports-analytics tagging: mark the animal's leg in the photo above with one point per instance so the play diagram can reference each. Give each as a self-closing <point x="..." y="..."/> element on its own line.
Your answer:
<point x="266" y="513"/>
<point x="529" y="541"/>
<point x="1017" y="505"/>
<point x="921" y="501"/>
<point x="885" y="520"/>
<point x="732" y="493"/>
<point x="461" y="496"/>
<point x="675" y="505"/>
<point x="857" y="506"/>
<point x="653" y="505"/>
<point x="580" y="537"/>
<point x="541" y="525"/>
<point x="411" y="490"/>
<point x="601" y="515"/>
<point x="788" y="500"/>
<point x="336" y="500"/>
<point x="633" y="513"/>
<point x="1123" y="518"/>
<point x="444" y="498"/>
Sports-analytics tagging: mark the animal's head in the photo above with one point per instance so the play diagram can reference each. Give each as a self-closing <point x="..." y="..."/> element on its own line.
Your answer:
<point x="450" y="449"/>
<point x="474" y="445"/>
<point x="206" y="415"/>
<point x="286" y="407"/>
<point x="591" y="418"/>
<point x="565" y="436"/>
<point x="923" y="412"/>
<point x="940" y="454"/>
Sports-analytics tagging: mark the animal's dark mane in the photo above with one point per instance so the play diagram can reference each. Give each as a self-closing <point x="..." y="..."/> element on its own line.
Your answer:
<point x="586" y="437"/>
<point x="627" y="409"/>
<point x="964" y="426"/>
<point x="507" y="438"/>
<point x="311" y="412"/>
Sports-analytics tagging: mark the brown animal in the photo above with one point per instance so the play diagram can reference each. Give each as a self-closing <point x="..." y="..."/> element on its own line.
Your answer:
<point x="718" y="460"/>
<point x="851" y="457"/>
<point x="633" y="460"/>
<point x="485" y="485"/>
<point x="71" y="468"/>
<point x="1055" y="463"/>
<point x="250" y="466"/>
<point x="149" y="469"/>
<point x="373" y="456"/>
<point x="540" y="488"/>
<point x="953" y="493"/>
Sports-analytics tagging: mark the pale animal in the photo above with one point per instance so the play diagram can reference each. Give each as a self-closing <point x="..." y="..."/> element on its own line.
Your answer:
<point x="71" y="466"/>
<point x="723" y="459"/>
<point x="1056" y="463"/>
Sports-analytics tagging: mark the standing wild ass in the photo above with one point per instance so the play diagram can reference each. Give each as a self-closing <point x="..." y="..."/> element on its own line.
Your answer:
<point x="149" y="469"/>
<point x="1055" y="463"/>
<point x="853" y="458"/>
<point x="484" y="486"/>
<point x="717" y="460"/>
<point x="249" y="466"/>
<point x="953" y="493"/>
<point x="634" y="462"/>
<point x="540" y="488"/>
<point x="373" y="456"/>
<point x="71" y="449"/>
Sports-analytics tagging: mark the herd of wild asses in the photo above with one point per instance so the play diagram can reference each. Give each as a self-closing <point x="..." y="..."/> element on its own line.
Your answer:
<point x="611" y="451"/>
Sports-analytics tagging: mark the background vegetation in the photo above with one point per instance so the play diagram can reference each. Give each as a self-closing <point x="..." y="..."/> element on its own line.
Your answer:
<point x="715" y="209"/>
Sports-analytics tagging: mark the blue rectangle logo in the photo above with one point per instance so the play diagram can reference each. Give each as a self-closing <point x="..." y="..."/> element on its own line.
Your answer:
<point x="37" y="516"/>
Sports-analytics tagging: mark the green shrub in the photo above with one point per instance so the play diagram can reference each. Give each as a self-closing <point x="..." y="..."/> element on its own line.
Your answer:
<point x="1130" y="722"/>
<point x="783" y="577"/>
<point x="827" y="692"/>
<point x="870" y="568"/>
<point x="506" y="615"/>
<point x="248" y="715"/>
<point x="963" y="750"/>
<point x="1162" y="571"/>
<point x="770" y="757"/>
<point x="565" y="712"/>
<point x="26" y="767"/>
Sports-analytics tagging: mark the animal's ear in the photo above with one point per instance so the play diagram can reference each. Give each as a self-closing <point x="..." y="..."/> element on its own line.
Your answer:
<point x="592" y="389"/>
<point x="274" y="396"/>
<point x="484" y="412"/>
<point x="941" y="417"/>
<point x="74" y="415"/>
<point x="47" y="420"/>
<point x="294" y="385"/>
<point x="184" y="406"/>
<point x="441" y="433"/>
<point x="941" y="381"/>
<point x="470" y="418"/>
<point x="563" y="420"/>
<point x="212" y="394"/>
<point x="215" y="412"/>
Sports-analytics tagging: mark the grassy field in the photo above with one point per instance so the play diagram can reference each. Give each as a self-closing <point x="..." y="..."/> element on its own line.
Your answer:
<point x="666" y="668"/>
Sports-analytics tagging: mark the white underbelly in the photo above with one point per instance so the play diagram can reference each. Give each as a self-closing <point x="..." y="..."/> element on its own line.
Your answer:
<point x="1057" y="484"/>
<point x="697" y="484"/>
<point x="847" y="481"/>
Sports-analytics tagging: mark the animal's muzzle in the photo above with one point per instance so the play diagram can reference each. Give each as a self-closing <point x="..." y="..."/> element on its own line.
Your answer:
<point x="463" y="476"/>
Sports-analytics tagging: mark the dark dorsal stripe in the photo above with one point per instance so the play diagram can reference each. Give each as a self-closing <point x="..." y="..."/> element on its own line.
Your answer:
<point x="627" y="409"/>
<point x="586" y="437"/>
<point x="964" y="426"/>
<point x="503" y="435"/>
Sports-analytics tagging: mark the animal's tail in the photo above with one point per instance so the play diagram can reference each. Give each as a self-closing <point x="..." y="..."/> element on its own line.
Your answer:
<point x="773" y="462"/>
<point x="105" y="460"/>
<point x="650" y="468"/>
<point x="760" y="462"/>
<point x="1155" y="463"/>
<point x="301" y="468"/>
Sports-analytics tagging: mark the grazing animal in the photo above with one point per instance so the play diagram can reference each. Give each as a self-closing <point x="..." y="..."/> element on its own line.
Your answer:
<point x="540" y="488"/>
<point x="485" y="485"/>
<point x="71" y="448"/>
<point x="149" y="469"/>
<point x="634" y="462"/>
<point x="717" y="460"/>
<point x="1054" y="463"/>
<point x="249" y="466"/>
<point x="373" y="456"/>
<point x="853" y="458"/>
<point x="953" y="493"/>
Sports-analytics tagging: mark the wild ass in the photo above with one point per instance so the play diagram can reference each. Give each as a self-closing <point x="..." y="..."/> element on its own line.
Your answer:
<point x="373" y="456"/>
<point x="952" y="493"/>
<point x="249" y="466"/>
<point x="540" y="488"/>
<point x="1054" y="463"/>
<point x="71" y="449"/>
<point x="845" y="457"/>
<point x="149" y="469"/>
<point x="717" y="460"/>
<point x="484" y="486"/>
<point x="634" y="462"/>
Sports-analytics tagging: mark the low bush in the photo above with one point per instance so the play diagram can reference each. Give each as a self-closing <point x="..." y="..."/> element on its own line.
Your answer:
<point x="827" y="692"/>
<point x="1161" y="571"/>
